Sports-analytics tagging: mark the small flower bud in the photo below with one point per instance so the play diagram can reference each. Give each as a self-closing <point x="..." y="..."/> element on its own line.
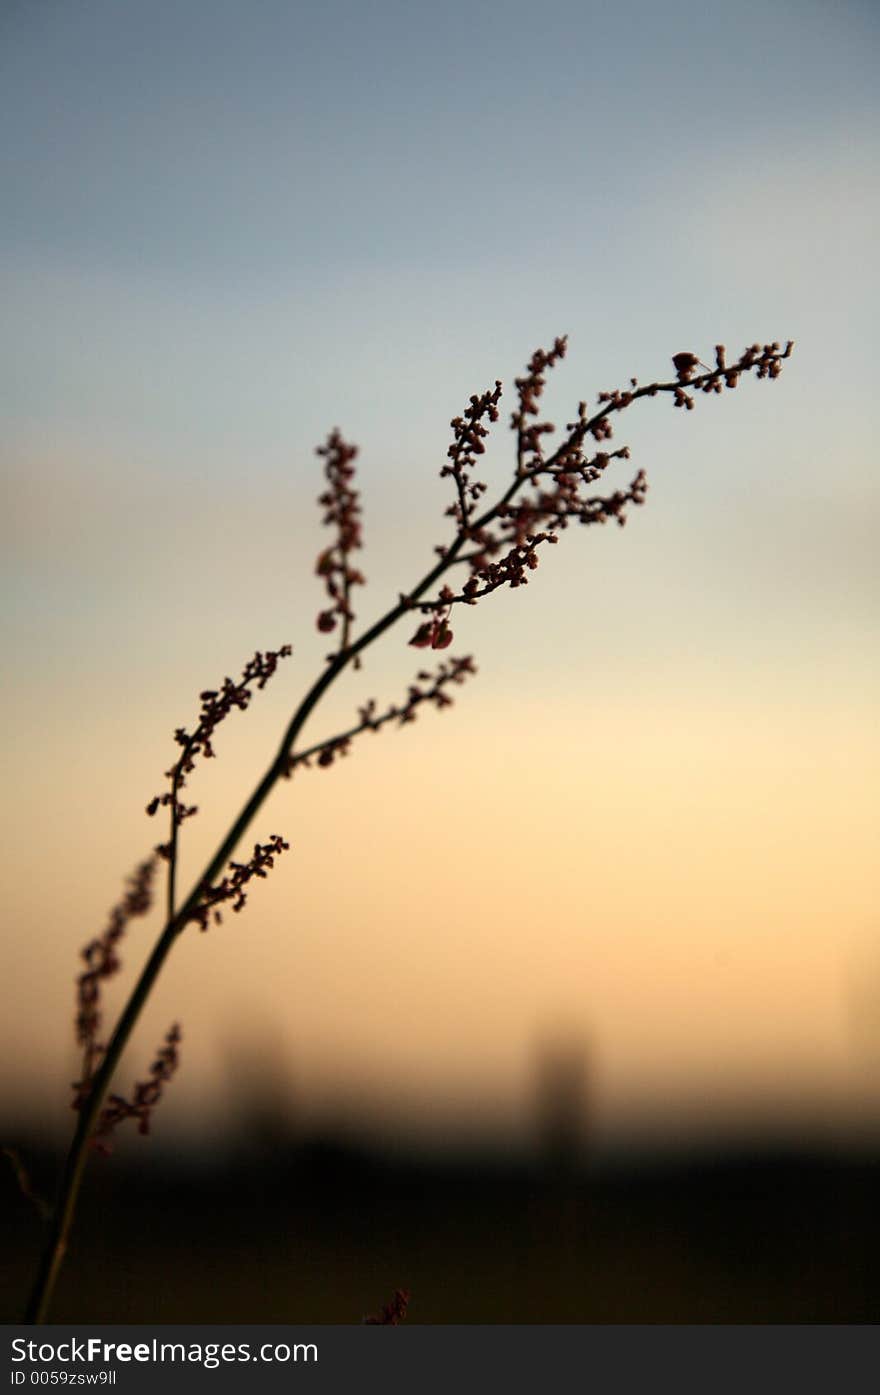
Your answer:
<point x="422" y="637"/>
<point x="684" y="365"/>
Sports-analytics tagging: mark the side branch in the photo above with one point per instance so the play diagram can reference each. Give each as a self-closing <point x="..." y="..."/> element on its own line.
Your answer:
<point x="455" y="671"/>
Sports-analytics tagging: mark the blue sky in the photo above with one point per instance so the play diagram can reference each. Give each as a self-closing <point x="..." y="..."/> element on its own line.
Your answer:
<point x="228" y="228"/>
<point x="214" y="213"/>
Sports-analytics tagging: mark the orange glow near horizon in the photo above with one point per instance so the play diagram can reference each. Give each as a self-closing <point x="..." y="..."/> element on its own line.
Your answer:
<point x="682" y="889"/>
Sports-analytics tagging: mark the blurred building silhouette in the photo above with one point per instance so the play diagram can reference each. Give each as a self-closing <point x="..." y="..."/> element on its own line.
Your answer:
<point x="563" y="1104"/>
<point x="261" y="1099"/>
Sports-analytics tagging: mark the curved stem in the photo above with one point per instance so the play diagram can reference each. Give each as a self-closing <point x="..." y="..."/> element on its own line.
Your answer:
<point x="77" y="1157"/>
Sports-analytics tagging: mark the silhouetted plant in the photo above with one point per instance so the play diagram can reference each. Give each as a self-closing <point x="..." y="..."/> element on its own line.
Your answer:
<point x="493" y="545"/>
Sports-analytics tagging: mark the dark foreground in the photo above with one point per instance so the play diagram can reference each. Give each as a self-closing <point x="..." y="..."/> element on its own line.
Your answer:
<point x="324" y="1232"/>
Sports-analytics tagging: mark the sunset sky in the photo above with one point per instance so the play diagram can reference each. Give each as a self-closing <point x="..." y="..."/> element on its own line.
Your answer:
<point x="649" y="826"/>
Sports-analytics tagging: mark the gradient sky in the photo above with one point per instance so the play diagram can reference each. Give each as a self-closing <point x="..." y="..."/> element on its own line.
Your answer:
<point x="649" y="824"/>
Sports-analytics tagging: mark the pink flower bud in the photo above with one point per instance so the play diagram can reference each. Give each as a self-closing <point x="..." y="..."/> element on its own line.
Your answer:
<point x="422" y="637"/>
<point x="684" y="363"/>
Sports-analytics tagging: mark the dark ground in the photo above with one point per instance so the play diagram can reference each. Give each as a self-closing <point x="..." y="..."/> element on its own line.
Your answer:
<point x="324" y="1231"/>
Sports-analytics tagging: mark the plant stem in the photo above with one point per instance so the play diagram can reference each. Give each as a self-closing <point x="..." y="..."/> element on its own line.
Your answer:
<point x="71" y="1180"/>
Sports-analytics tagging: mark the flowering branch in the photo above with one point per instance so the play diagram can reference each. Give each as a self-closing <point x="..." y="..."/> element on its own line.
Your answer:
<point x="102" y="962"/>
<point x="521" y="525"/>
<point x="147" y="1094"/>
<point x="342" y="512"/>
<point x="499" y="546"/>
<point x="231" y="888"/>
<point x="469" y="434"/>
<point x="216" y="705"/>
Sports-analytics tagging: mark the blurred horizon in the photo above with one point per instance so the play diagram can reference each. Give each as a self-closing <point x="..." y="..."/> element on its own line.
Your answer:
<point x="647" y="829"/>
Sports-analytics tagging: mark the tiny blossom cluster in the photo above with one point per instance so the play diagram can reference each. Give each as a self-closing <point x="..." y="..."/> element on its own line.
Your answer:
<point x="529" y="389"/>
<point x="102" y="962"/>
<point x="147" y="1093"/>
<point x="431" y="688"/>
<point x="342" y="511"/>
<point x="564" y="502"/>
<point x="217" y="703"/>
<point x="392" y="1313"/>
<point x="500" y="547"/>
<point x="435" y="633"/>
<point x="766" y="359"/>
<point x="510" y="570"/>
<point x="469" y="434"/>
<point x="232" y="887"/>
